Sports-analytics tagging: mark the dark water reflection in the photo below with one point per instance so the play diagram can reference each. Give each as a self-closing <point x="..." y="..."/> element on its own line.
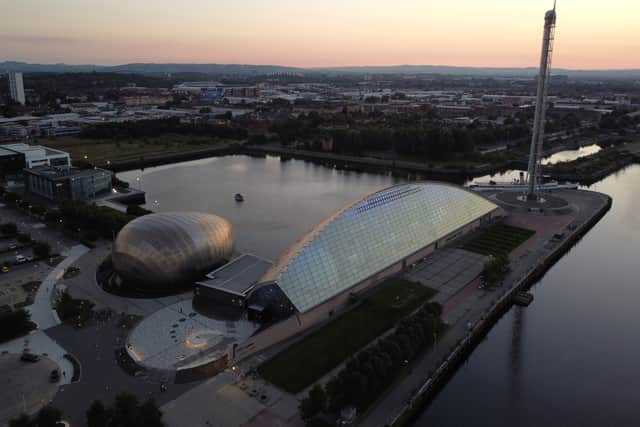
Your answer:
<point x="571" y="358"/>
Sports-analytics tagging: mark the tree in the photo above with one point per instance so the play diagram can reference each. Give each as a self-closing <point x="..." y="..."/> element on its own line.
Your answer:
<point x="97" y="415"/>
<point x="149" y="415"/>
<point x="22" y="421"/>
<point x="14" y="324"/>
<point x="48" y="417"/>
<point x="496" y="268"/>
<point x="24" y="238"/>
<point x="126" y="411"/>
<point x="9" y="229"/>
<point x="41" y="249"/>
<point x="313" y="404"/>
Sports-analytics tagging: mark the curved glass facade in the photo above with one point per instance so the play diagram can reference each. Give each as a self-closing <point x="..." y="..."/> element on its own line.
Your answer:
<point x="163" y="250"/>
<point x="370" y="235"/>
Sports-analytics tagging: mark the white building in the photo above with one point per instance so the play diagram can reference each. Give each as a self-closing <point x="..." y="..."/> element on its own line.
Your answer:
<point x="16" y="87"/>
<point x="38" y="155"/>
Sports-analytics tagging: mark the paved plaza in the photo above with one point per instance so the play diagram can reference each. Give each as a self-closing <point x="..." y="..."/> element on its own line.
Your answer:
<point x="448" y="271"/>
<point x="177" y="336"/>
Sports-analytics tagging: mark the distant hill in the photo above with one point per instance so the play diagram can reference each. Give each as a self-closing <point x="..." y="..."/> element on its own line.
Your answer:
<point x="248" y="69"/>
<point x="148" y="68"/>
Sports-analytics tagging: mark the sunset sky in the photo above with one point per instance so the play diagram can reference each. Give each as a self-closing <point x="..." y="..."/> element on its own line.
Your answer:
<point x="591" y="34"/>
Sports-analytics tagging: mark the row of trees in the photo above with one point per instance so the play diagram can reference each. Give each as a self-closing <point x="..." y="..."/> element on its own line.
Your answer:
<point x="126" y="411"/>
<point x="78" y="215"/>
<point x="155" y="128"/>
<point x="365" y="377"/>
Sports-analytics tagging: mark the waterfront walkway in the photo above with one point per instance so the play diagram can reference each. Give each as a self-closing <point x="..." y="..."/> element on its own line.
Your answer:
<point x="476" y="304"/>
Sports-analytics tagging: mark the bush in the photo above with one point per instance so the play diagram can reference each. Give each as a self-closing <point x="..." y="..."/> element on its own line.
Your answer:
<point x="69" y="308"/>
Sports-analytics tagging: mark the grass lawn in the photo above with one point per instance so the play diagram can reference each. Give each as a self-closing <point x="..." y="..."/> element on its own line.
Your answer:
<point x="306" y="361"/>
<point x="99" y="151"/>
<point x="499" y="239"/>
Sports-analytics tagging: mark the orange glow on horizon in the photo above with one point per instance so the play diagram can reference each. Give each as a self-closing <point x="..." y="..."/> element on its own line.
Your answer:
<point x="499" y="33"/>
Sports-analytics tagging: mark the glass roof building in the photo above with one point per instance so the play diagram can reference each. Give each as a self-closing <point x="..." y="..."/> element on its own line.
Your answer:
<point x="369" y="235"/>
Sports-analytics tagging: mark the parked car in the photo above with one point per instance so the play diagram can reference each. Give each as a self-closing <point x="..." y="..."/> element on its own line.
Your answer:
<point x="29" y="258"/>
<point x="20" y="259"/>
<point x="29" y="357"/>
<point x="54" y="376"/>
<point x="13" y="247"/>
<point x="5" y="269"/>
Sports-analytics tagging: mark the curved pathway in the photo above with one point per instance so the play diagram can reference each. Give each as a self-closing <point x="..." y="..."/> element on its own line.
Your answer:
<point x="42" y="313"/>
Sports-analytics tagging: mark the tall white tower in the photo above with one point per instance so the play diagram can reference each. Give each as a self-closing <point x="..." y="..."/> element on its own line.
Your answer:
<point x="535" y="155"/>
<point x="16" y="87"/>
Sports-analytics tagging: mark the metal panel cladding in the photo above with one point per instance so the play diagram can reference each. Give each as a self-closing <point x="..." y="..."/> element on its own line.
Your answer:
<point x="370" y="235"/>
<point x="164" y="250"/>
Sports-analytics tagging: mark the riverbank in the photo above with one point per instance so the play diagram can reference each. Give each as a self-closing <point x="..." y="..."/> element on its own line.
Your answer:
<point x="587" y="170"/>
<point x="529" y="263"/>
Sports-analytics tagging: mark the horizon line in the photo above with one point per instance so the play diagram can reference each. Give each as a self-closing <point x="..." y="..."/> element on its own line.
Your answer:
<point x="311" y="67"/>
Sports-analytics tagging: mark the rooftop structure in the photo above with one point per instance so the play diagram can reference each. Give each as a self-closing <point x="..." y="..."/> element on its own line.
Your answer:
<point x="39" y="155"/>
<point x="232" y="283"/>
<point x="60" y="184"/>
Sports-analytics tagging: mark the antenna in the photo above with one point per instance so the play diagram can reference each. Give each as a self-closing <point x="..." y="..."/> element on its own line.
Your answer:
<point x="554" y="5"/>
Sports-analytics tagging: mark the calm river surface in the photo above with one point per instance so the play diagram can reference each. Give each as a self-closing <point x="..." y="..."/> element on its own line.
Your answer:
<point x="570" y="359"/>
<point x="283" y="200"/>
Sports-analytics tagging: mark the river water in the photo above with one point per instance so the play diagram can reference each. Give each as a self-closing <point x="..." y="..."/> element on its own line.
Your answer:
<point x="570" y="359"/>
<point x="283" y="200"/>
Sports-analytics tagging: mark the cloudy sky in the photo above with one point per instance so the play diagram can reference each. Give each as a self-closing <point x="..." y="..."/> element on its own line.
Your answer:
<point x="591" y="34"/>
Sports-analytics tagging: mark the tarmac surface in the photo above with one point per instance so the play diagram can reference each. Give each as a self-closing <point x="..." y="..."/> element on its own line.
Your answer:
<point x="25" y="386"/>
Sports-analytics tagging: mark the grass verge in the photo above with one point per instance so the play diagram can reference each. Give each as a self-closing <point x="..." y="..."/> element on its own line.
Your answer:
<point x="307" y="360"/>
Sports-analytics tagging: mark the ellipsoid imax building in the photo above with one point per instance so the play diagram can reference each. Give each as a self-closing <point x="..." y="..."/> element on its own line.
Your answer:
<point x="358" y="246"/>
<point x="169" y="250"/>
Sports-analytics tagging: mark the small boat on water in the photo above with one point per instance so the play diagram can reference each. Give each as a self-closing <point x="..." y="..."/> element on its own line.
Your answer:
<point x="239" y="197"/>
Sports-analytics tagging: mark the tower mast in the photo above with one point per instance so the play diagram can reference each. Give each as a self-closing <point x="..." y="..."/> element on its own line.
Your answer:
<point x="535" y="154"/>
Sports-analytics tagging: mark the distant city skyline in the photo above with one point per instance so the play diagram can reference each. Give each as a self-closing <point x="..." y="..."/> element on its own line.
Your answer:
<point x="500" y="33"/>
